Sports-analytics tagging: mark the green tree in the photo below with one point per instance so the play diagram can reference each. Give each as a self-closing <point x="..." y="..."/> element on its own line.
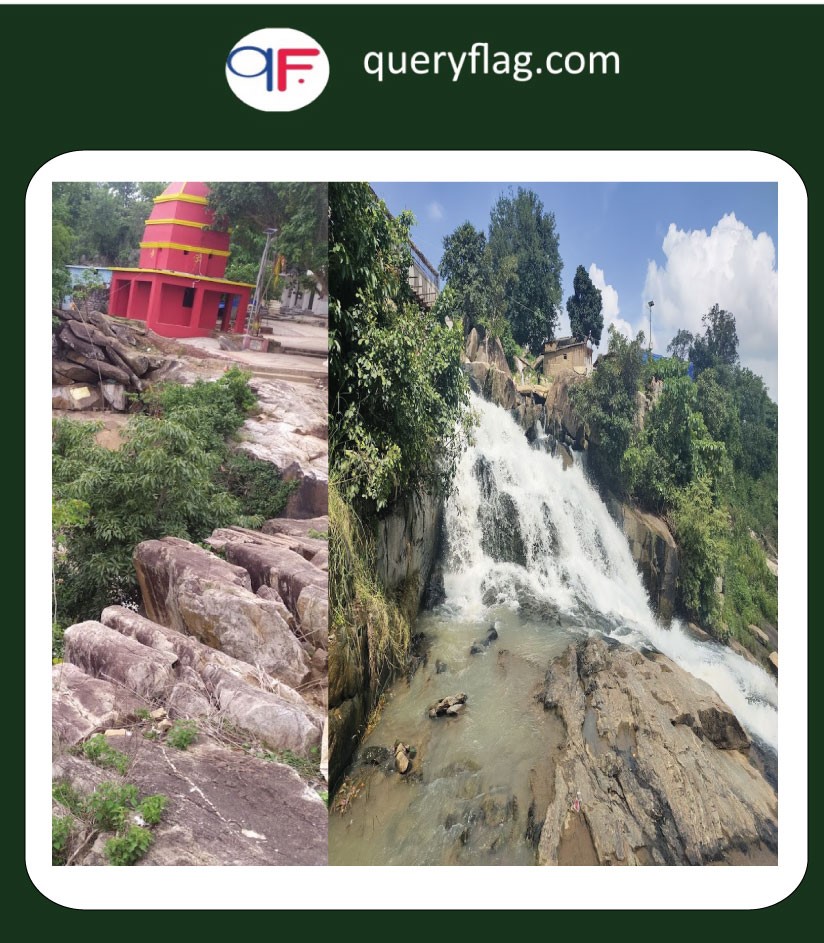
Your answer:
<point x="584" y="308"/>
<point x="300" y="213"/>
<point x="164" y="480"/>
<point x="397" y="390"/>
<point x="465" y="264"/>
<point x="680" y="345"/>
<point x="607" y="404"/>
<point x="719" y="343"/>
<point x="519" y="228"/>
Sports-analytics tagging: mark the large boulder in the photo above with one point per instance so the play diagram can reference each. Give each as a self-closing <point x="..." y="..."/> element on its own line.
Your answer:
<point x="313" y="613"/>
<point x="654" y="767"/>
<point x="269" y="561"/>
<point x="186" y="588"/>
<point x="81" y="704"/>
<point x="104" y="653"/>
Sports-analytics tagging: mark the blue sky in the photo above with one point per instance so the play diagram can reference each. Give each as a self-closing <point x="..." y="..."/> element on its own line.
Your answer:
<point x="686" y="246"/>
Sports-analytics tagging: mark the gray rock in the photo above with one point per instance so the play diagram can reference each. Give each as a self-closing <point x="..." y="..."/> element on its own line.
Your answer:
<point x="659" y="765"/>
<point x="313" y="615"/>
<point x="448" y="705"/>
<point x="278" y="722"/>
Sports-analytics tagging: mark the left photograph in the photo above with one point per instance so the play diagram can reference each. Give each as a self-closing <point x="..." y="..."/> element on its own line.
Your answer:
<point x="189" y="523"/>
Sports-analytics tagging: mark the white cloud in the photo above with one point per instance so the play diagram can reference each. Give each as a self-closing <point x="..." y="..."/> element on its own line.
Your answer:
<point x="435" y="210"/>
<point x="609" y="301"/>
<point x="731" y="267"/>
<point x="623" y="327"/>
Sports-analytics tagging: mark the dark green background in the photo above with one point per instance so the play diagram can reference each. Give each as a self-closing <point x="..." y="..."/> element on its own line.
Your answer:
<point x="152" y="77"/>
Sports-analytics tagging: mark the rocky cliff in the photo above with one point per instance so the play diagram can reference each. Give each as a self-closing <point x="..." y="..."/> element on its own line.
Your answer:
<point x="234" y="648"/>
<point x="406" y="539"/>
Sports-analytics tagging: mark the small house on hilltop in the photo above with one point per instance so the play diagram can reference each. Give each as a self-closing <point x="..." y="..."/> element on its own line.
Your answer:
<point x="567" y="355"/>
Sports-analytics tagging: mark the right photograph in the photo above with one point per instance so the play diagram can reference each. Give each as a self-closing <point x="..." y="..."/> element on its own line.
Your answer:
<point x="553" y="524"/>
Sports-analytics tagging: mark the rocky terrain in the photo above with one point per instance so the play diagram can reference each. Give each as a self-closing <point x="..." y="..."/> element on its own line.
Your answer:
<point x="653" y="769"/>
<point x="214" y="694"/>
<point x="236" y="654"/>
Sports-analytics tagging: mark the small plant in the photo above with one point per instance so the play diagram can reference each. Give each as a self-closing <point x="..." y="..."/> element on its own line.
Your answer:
<point x="151" y="809"/>
<point x="129" y="848"/>
<point x="109" y="804"/>
<point x="182" y="734"/>
<point x="101" y="754"/>
<point x="112" y="807"/>
<point x="317" y="534"/>
<point x="61" y="838"/>
<point x="306" y="766"/>
<point x="143" y="713"/>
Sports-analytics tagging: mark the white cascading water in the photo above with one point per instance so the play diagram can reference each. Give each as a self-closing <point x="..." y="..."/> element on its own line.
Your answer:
<point x="572" y="564"/>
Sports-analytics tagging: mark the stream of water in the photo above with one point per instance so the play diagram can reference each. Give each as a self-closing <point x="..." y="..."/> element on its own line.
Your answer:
<point x="533" y="551"/>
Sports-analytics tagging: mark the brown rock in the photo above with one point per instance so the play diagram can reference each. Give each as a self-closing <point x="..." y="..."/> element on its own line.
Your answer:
<point x="313" y="614"/>
<point x="76" y="396"/>
<point x="81" y="704"/>
<point x="188" y="589"/>
<point x="104" y="653"/>
<point x="448" y="705"/>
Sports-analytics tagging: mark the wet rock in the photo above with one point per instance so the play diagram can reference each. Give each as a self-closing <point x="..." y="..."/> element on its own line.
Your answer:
<point x="448" y="706"/>
<point x="375" y="756"/>
<point x="402" y="762"/>
<point x="479" y="646"/>
<point x="660" y="762"/>
<point x="441" y="667"/>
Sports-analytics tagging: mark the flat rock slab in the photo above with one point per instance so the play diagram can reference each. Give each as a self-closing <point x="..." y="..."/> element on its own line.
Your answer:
<point x="224" y="807"/>
<point x="654" y="768"/>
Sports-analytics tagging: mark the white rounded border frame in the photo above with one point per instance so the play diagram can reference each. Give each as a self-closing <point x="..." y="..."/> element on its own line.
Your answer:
<point x="475" y="888"/>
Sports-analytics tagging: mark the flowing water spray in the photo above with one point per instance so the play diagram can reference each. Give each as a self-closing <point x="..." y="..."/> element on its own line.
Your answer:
<point x="532" y="549"/>
<point x="525" y="533"/>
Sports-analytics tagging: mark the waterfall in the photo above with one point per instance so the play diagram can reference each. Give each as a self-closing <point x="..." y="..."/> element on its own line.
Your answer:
<point x="524" y="533"/>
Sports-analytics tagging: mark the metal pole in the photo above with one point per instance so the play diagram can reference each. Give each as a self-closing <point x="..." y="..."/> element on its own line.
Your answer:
<point x="255" y="325"/>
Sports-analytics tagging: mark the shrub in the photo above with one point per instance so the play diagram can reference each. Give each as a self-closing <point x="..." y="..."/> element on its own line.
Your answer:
<point x="182" y="734"/>
<point x="130" y="847"/>
<point x="101" y="754"/>
<point x="61" y="838"/>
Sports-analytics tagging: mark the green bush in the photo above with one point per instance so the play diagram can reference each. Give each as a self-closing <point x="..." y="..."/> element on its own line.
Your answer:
<point x="182" y="734"/>
<point x="164" y="480"/>
<point x="61" y="838"/>
<point x="130" y="847"/>
<point x="109" y="804"/>
<point x="101" y="754"/>
<point x="256" y="484"/>
<point x="151" y="809"/>
<point x="700" y="528"/>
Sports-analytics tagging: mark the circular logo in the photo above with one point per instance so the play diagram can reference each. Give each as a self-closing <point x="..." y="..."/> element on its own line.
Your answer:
<point x="277" y="69"/>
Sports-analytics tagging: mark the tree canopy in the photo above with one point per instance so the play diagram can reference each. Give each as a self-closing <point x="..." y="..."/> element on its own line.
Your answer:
<point x="396" y="388"/>
<point x="300" y="213"/>
<point x="584" y="308"/>
<point x="520" y="228"/>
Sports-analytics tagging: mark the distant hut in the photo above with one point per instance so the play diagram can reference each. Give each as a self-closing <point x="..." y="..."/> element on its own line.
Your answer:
<point x="567" y="355"/>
